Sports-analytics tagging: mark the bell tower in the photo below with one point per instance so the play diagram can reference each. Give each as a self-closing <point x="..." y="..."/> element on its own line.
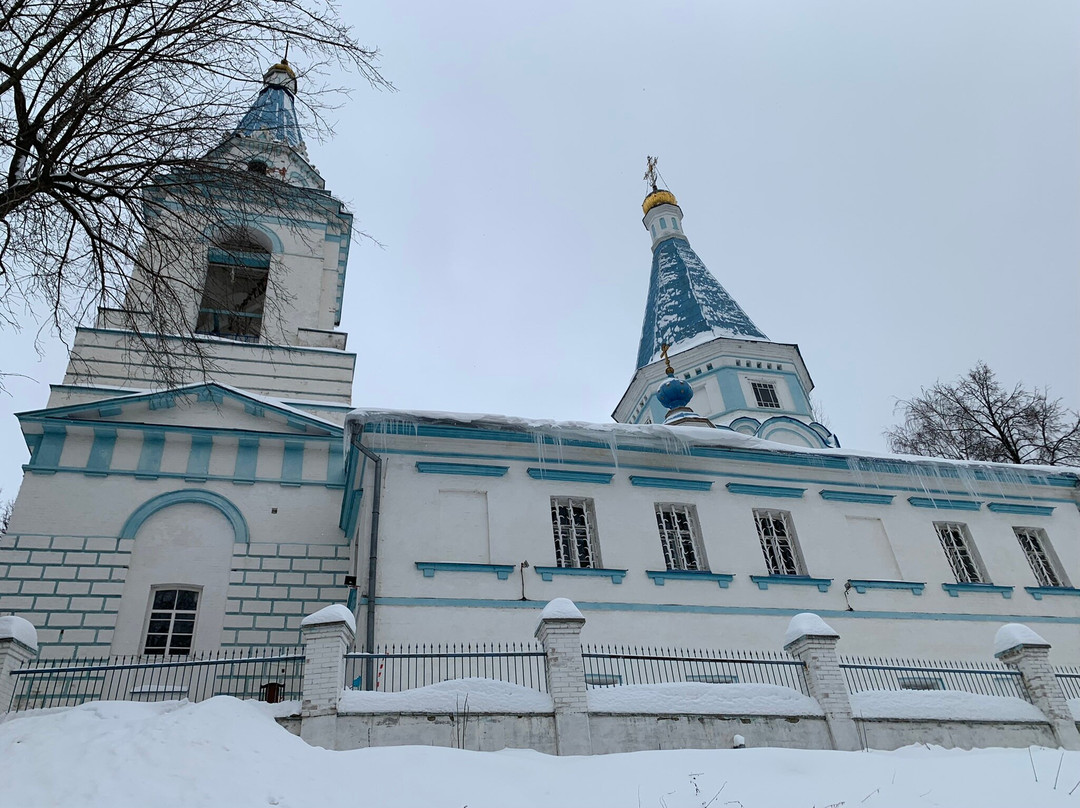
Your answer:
<point x="740" y="379"/>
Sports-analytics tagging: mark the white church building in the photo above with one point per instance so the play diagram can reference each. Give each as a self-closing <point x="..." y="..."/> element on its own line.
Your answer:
<point x="217" y="513"/>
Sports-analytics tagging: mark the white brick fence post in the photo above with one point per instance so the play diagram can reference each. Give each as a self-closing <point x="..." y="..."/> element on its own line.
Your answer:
<point x="559" y="633"/>
<point x="18" y="645"/>
<point x="327" y="635"/>
<point x="812" y="640"/>
<point x="1021" y="648"/>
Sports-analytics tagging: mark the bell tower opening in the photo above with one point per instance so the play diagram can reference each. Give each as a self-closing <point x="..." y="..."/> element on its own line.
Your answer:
<point x="234" y="295"/>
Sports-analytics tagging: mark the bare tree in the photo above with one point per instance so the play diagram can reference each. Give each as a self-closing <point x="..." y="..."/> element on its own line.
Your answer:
<point x="976" y="418"/>
<point x="112" y="116"/>
<point x="6" y="507"/>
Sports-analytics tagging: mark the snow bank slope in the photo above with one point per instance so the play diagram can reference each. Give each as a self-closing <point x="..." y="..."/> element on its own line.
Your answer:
<point x="224" y="752"/>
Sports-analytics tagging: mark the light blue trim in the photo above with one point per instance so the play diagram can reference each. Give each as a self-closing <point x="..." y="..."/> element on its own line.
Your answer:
<point x="161" y="401"/>
<point x="211" y="394"/>
<point x="247" y="458"/>
<point x="856" y="496"/>
<point x="191" y="430"/>
<point x="765" y="490"/>
<point x="292" y="462"/>
<point x="464" y="469"/>
<point x="944" y="504"/>
<point x="765" y="611"/>
<point x="764" y="581"/>
<point x="335" y="464"/>
<point x="108" y="412"/>
<point x="569" y="476"/>
<point x="198" y="466"/>
<point x="153" y="445"/>
<point x="954" y="590"/>
<point x="251" y="408"/>
<point x="660" y="576"/>
<point x="429" y="568"/>
<point x="860" y="585"/>
<point x="51" y="446"/>
<point x="101" y="451"/>
<point x="1012" y="507"/>
<point x="198" y="496"/>
<point x="670" y="482"/>
<point x="616" y="576"/>
<point x="1037" y="592"/>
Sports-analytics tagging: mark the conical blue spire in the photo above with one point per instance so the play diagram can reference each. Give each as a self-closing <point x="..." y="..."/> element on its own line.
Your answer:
<point x="273" y="114"/>
<point x="686" y="303"/>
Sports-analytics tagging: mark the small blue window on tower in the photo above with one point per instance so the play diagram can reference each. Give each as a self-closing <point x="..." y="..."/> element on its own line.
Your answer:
<point x="663" y="223"/>
<point x="654" y="229"/>
<point x="674" y="224"/>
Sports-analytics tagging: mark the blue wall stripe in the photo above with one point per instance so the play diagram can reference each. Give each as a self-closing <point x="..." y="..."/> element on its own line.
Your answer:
<point x="153" y="446"/>
<point x="944" y="504"/>
<point x="247" y="458"/>
<point x="198" y="465"/>
<point x="856" y="496"/>
<point x="101" y="451"/>
<point x="569" y="476"/>
<point x="766" y="490"/>
<point x="1012" y="507"/>
<point x="292" y="462"/>
<point x="670" y="482"/>
<point x="464" y="469"/>
<point x="51" y="446"/>
<point x="335" y="464"/>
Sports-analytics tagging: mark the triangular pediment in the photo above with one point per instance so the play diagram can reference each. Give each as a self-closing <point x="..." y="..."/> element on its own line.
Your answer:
<point x="200" y="406"/>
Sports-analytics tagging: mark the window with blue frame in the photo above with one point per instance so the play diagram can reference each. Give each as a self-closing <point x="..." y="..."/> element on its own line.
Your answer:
<point x="234" y="294"/>
<point x="573" y="523"/>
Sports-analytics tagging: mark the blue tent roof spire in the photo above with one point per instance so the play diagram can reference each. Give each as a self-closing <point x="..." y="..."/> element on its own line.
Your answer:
<point x="273" y="114"/>
<point x="686" y="304"/>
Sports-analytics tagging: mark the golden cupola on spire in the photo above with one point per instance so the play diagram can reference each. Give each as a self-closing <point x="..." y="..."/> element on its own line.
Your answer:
<point x="658" y="197"/>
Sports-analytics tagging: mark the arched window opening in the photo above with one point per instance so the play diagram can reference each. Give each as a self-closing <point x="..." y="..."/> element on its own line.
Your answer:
<point x="235" y="292"/>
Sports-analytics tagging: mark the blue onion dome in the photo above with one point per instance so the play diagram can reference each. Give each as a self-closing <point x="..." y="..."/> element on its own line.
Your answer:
<point x="674" y="393"/>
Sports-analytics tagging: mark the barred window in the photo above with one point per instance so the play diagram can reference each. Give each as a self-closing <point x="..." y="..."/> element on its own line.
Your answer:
<point x="172" y="621"/>
<point x="1040" y="556"/>
<point x="680" y="537"/>
<point x="960" y="551"/>
<point x="574" y="526"/>
<point x="765" y="394"/>
<point x="778" y="542"/>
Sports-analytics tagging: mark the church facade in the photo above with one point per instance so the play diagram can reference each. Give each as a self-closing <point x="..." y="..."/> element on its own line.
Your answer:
<point x="216" y="513"/>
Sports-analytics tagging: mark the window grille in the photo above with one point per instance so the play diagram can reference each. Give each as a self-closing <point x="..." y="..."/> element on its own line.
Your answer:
<point x="574" y="526"/>
<point x="765" y="394"/>
<point x="960" y="551"/>
<point x="1040" y="556"/>
<point x="234" y="295"/>
<point x="680" y="537"/>
<point x="778" y="542"/>
<point x="172" y="622"/>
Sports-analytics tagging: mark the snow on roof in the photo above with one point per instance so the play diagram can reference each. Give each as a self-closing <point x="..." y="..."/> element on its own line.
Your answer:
<point x="1011" y="635"/>
<point x="335" y="613"/>
<point x="678" y="439"/>
<point x="561" y="609"/>
<point x="18" y="628"/>
<point x="807" y="624"/>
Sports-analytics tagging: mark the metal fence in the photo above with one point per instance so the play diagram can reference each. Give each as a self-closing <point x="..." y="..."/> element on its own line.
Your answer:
<point x="985" y="678"/>
<point x="1069" y="679"/>
<point x="404" y="667"/>
<point x="265" y="673"/>
<point x="612" y="665"/>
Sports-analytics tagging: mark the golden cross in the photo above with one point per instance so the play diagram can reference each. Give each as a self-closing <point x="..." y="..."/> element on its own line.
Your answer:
<point x="650" y="171"/>
<point x="663" y="352"/>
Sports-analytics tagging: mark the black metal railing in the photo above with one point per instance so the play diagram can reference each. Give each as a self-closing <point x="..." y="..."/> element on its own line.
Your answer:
<point x="985" y="678"/>
<point x="265" y="673"/>
<point x="1069" y="679"/>
<point x="405" y="667"/>
<point x="612" y="665"/>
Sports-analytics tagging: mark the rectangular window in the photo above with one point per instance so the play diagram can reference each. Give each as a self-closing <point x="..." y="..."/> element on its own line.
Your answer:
<point x="1040" y="556"/>
<point x="765" y="393"/>
<point x="680" y="537"/>
<point x="171" y="627"/>
<point x="574" y="526"/>
<point x="778" y="542"/>
<point x="960" y="551"/>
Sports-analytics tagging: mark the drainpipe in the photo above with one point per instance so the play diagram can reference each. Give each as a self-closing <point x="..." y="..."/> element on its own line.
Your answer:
<point x="373" y="561"/>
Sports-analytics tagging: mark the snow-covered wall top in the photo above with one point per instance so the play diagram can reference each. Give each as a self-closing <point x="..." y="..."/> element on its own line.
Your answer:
<point x="691" y="440"/>
<point x="686" y="301"/>
<point x="1011" y="635"/>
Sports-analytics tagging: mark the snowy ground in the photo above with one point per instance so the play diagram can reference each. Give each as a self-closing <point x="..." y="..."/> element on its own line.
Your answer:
<point x="224" y="752"/>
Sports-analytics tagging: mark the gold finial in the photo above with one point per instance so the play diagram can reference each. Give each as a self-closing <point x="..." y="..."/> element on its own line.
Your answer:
<point x="670" y="371"/>
<point x="650" y="172"/>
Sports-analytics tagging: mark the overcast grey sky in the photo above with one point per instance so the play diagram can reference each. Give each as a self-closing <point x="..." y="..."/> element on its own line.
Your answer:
<point x="894" y="187"/>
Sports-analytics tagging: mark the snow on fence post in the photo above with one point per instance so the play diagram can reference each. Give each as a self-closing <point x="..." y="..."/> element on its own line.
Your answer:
<point x="559" y="632"/>
<point x="1021" y="648"/>
<point x="812" y="640"/>
<point x="327" y="635"/>
<point x="18" y="645"/>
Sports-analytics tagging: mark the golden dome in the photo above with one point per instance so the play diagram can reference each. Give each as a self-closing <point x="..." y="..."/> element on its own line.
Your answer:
<point x="284" y="65"/>
<point x="661" y="197"/>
